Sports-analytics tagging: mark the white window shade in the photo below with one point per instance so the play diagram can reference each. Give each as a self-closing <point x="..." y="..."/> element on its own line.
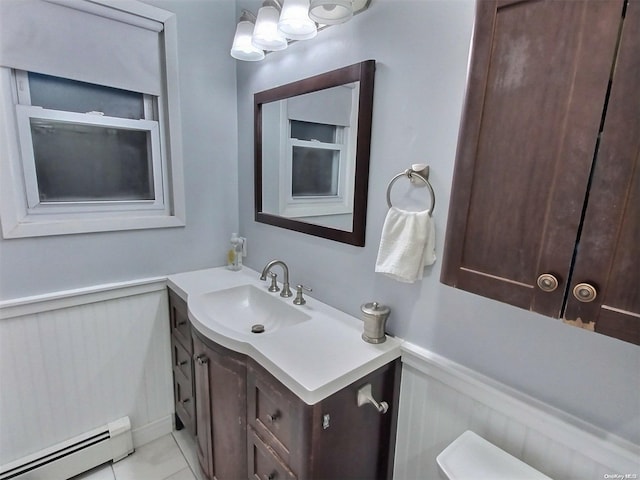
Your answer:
<point x="331" y="106"/>
<point x="82" y="40"/>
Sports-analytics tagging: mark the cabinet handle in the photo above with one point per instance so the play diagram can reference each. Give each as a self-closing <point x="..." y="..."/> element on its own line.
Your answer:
<point x="272" y="476"/>
<point x="547" y="282"/>
<point x="185" y="401"/>
<point x="585" y="292"/>
<point x="183" y="322"/>
<point x="184" y="362"/>
<point x="271" y="418"/>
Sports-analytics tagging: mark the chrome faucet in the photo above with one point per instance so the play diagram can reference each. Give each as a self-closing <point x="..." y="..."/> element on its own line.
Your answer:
<point x="286" y="291"/>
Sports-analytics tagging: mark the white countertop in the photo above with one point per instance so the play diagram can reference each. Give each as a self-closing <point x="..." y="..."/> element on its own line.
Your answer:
<point x="314" y="359"/>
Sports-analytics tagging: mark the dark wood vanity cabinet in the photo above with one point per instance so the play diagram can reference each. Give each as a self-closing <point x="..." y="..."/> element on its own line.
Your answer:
<point x="545" y="207"/>
<point x="249" y="425"/>
<point x="181" y="358"/>
<point x="333" y="439"/>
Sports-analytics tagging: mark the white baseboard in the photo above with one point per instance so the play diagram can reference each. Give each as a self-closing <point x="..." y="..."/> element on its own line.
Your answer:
<point x="152" y="431"/>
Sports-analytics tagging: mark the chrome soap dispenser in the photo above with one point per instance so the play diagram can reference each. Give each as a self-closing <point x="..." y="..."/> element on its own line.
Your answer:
<point x="375" y="317"/>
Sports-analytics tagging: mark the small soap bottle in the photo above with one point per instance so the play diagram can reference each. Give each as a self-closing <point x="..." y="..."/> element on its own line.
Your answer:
<point x="234" y="255"/>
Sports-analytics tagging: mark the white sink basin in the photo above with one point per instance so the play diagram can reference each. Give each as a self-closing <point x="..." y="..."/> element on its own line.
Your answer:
<point x="244" y="307"/>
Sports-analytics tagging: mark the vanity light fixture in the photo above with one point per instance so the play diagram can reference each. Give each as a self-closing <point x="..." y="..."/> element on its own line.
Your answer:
<point x="242" y="48"/>
<point x="266" y="34"/>
<point x="331" y="12"/>
<point x="282" y="21"/>
<point x="294" y="21"/>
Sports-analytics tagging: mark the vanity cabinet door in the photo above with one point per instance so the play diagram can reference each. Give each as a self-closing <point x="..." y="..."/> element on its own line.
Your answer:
<point x="220" y="385"/>
<point x="204" y="442"/>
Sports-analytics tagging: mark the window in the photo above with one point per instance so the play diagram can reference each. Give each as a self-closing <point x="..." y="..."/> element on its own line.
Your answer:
<point x="83" y="151"/>
<point x="317" y="151"/>
<point x="318" y="160"/>
<point x="85" y="147"/>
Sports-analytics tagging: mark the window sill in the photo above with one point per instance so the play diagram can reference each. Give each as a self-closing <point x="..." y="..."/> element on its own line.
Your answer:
<point x="28" y="227"/>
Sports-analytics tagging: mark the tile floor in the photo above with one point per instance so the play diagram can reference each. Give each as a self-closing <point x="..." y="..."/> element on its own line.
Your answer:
<point x="172" y="457"/>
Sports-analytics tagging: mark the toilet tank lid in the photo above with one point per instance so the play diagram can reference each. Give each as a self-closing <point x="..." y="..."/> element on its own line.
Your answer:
<point x="471" y="457"/>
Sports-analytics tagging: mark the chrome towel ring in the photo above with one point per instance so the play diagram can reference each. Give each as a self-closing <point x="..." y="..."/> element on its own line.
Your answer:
<point x="410" y="174"/>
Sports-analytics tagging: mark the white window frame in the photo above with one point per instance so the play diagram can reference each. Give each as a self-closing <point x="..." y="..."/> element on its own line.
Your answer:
<point x="320" y="205"/>
<point x="21" y="217"/>
<point x="24" y="115"/>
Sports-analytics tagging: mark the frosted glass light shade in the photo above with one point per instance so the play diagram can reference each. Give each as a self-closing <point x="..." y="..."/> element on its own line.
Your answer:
<point x="242" y="48"/>
<point x="330" y="12"/>
<point x="295" y="22"/>
<point x="265" y="34"/>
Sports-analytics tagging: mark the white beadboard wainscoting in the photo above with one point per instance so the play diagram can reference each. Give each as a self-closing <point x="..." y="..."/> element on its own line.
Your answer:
<point x="72" y="361"/>
<point x="440" y="400"/>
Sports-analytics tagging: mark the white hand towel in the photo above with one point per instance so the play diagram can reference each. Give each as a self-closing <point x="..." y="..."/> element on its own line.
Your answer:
<point x="407" y="244"/>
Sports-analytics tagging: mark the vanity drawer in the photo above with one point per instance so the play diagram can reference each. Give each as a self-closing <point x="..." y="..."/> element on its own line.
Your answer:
<point x="264" y="463"/>
<point x="180" y="328"/>
<point x="184" y="400"/>
<point x="273" y="411"/>
<point x="181" y="359"/>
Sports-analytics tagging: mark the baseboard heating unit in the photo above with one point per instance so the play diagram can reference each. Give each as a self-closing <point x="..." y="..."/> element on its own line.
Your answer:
<point x="111" y="442"/>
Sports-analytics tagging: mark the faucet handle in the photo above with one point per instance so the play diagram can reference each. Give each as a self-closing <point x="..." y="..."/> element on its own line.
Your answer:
<point x="274" y="285"/>
<point x="299" y="300"/>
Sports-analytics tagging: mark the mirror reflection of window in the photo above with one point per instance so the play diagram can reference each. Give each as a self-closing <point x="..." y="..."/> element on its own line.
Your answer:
<point x="314" y="173"/>
<point x="315" y="159"/>
<point x="311" y="135"/>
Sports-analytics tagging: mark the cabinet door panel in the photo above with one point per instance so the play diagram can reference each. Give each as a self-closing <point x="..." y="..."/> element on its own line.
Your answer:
<point x="221" y="410"/>
<point x="229" y="410"/>
<point x="204" y="443"/>
<point x="537" y="87"/>
<point x="608" y="254"/>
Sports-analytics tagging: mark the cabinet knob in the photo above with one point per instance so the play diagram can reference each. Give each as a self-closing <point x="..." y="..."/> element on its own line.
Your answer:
<point x="547" y="282"/>
<point x="273" y="416"/>
<point x="584" y="292"/>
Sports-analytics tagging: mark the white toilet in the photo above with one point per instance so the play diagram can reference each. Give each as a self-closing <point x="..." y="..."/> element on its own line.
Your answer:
<point x="471" y="457"/>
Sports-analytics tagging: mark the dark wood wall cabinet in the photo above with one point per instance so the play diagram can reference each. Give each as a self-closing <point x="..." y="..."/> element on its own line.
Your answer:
<point x="545" y="207"/>
<point x="251" y="426"/>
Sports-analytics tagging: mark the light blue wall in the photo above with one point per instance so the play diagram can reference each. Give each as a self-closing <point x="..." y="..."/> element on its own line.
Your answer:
<point x="208" y="100"/>
<point x="421" y="48"/>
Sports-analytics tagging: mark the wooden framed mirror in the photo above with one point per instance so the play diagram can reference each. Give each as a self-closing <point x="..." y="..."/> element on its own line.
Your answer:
<point x="312" y="142"/>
